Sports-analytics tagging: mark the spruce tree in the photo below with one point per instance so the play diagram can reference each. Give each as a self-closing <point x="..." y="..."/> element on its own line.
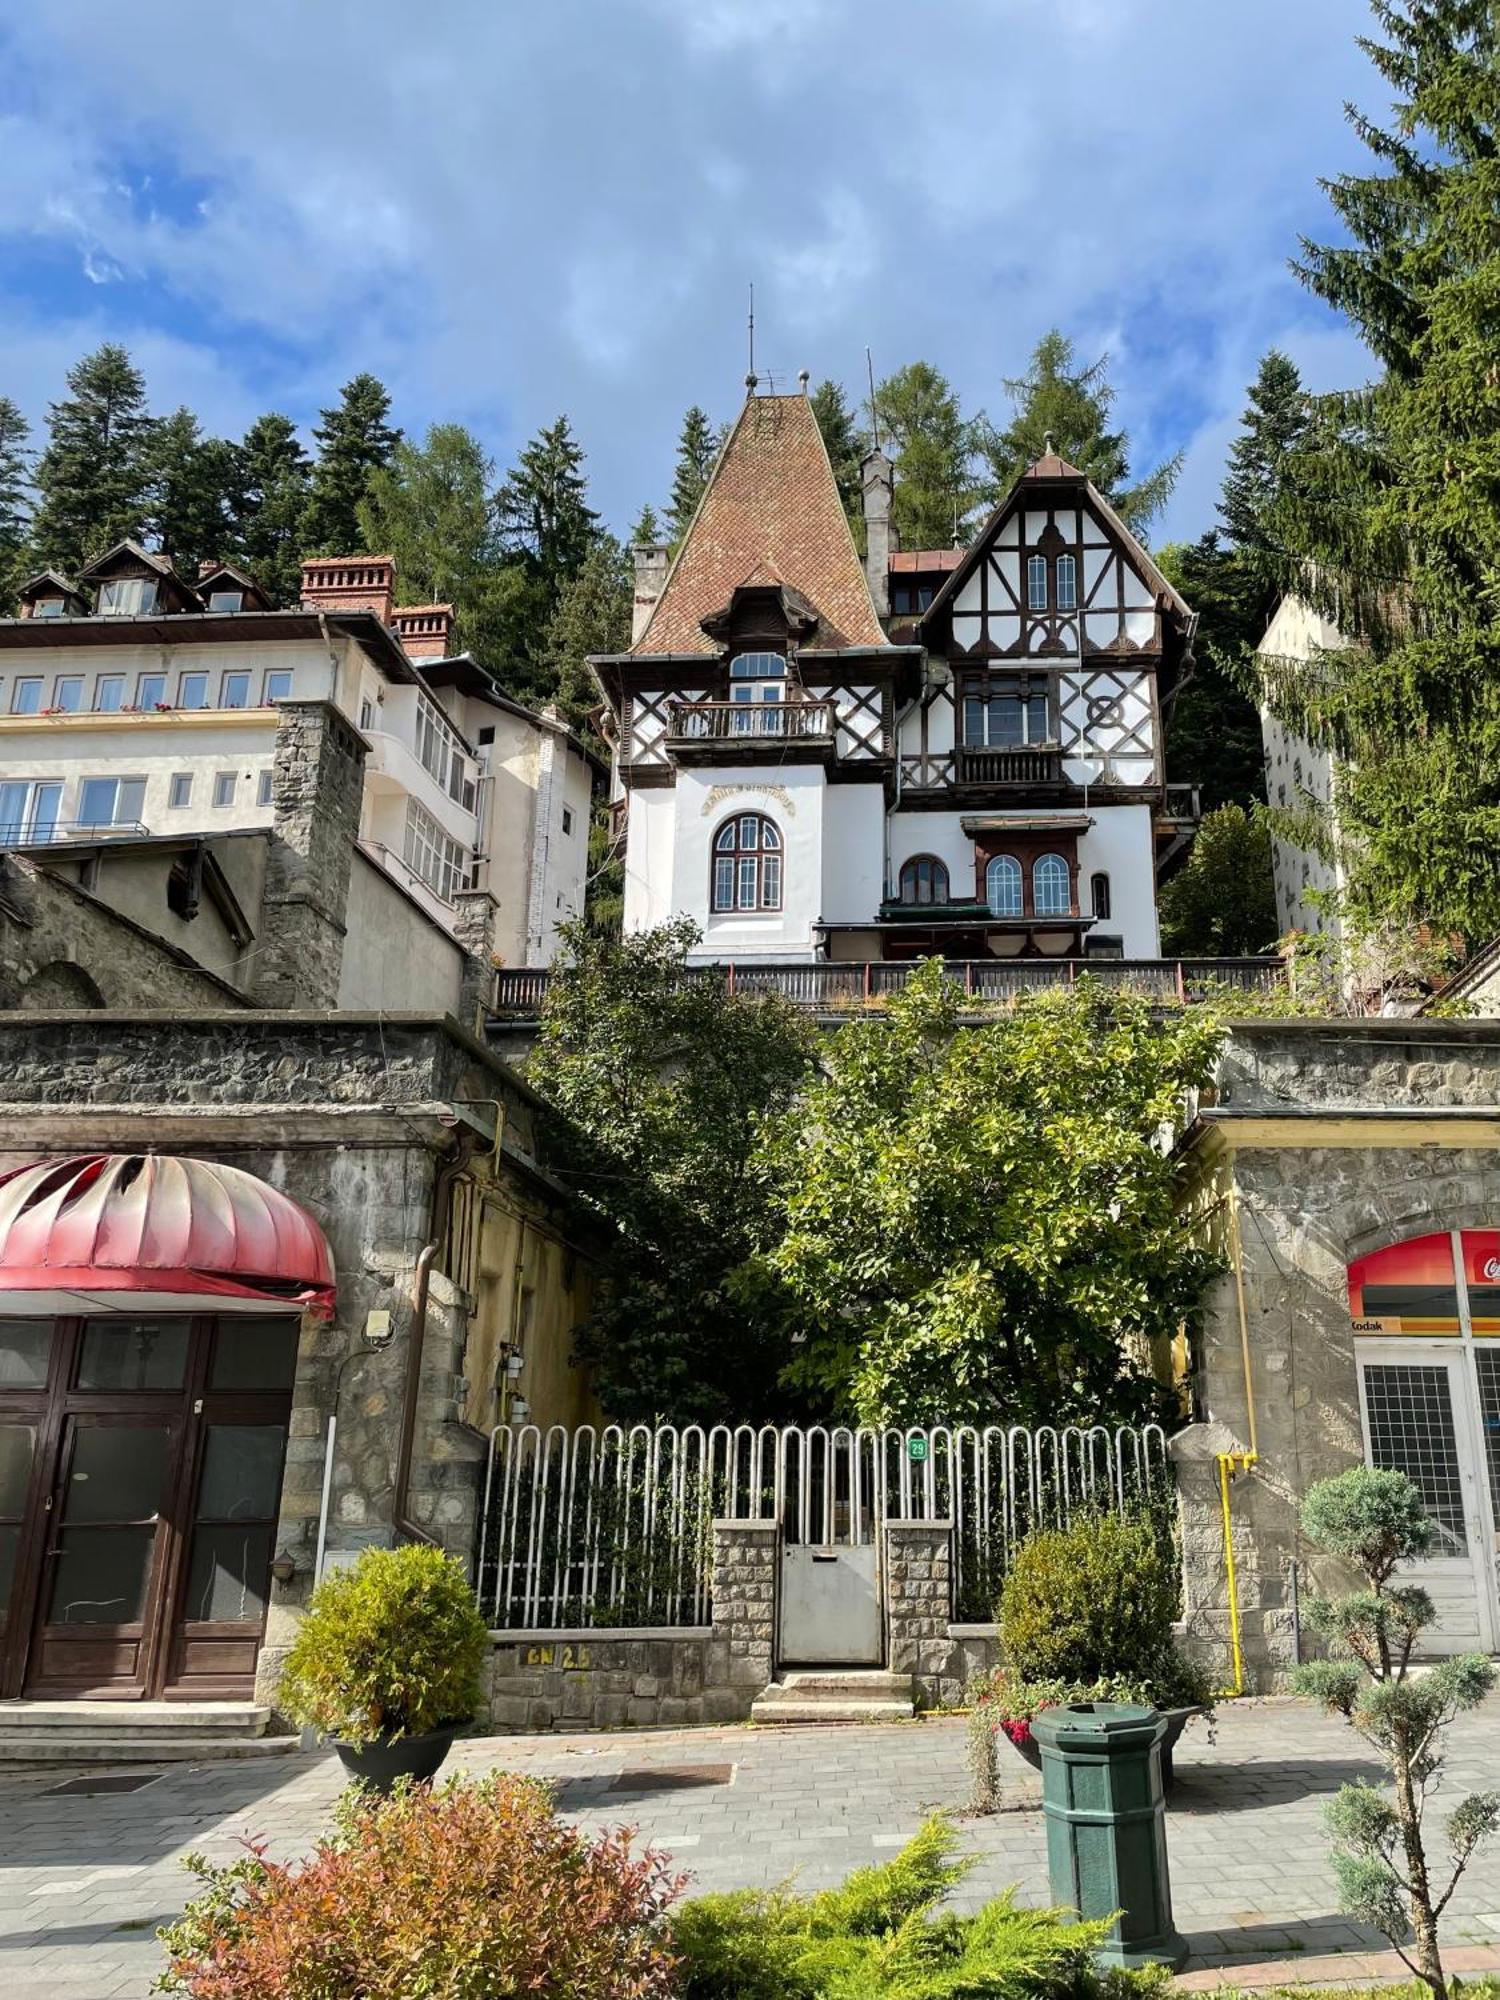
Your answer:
<point x="192" y="491"/>
<point x="15" y="501"/>
<point x="931" y="446"/>
<point x="846" y="445"/>
<point x="354" y="441"/>
<point x="431" y="507"/>
<point x="270" y="506"/>
<point x="1391" y="506"/>
<point x="1057" y="397"/>
<point x="93" y="479"/>
<point x="1260" y="458"/>
<point x="697" y="450"/>
<point x="542" y="509"/>
<point x="1213" y="733"/>
<point x="647" y="531"/>
<point x="592" y="616"/>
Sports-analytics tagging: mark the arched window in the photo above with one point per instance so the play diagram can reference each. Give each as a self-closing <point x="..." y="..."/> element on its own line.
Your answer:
<point x="747" y="864"/>
<point x="1036" y="583"/>
<point x="1099" y="893"/>
<point x="1067" y="584"/>
<point x="1051" y="886"/>
<point x="1002" y="886"/>
<point x="924" y="879"/>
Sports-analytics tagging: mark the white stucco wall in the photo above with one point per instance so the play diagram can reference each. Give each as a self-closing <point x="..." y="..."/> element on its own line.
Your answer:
<point x="1120" y="844"/>
<point x="394" y="956"/>
<point x="853" y="844"/>
<point x="1299" y="774"/>
<point x="650" y="892"/>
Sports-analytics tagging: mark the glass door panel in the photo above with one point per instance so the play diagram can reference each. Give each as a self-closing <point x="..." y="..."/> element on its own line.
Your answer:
<point x="231" y="1542"/>
<point x="17" y="1446"/>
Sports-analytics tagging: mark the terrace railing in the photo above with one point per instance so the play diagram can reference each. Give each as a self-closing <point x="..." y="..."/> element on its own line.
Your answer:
<point x="691" y="722"/>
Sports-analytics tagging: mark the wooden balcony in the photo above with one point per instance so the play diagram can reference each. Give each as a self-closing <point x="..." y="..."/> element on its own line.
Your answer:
<point x="751" y="731"/>
<point x="1018" y="765"/>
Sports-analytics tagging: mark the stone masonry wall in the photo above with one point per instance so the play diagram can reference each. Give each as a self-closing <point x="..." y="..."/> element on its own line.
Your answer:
<point x="598" y="1679"/>
<point x="921" y="1639"/>
<point x="317" y="791"/>
<point x="1377" y="1065"/>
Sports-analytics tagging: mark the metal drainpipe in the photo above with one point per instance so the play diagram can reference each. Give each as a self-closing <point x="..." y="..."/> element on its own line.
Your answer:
<point x="416" y="1342"/>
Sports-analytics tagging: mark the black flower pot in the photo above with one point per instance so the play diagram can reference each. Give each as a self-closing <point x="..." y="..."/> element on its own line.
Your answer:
<point x="378" y="1765"/>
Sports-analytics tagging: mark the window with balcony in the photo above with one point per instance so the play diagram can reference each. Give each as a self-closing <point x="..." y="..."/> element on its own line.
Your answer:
<point x="109" y="694"/>
<point x="757" y="678"/>
<point x="430" y="855"/>
<point x="924" y="879"/>
<point x="29" y="809"/>
<point x="438" y="748"/>
<point x="1005" y="715"/>
<point x="1002" y="886"/>
<point x="192" y="691"/>
<point x="127" y="597"/>
<point x="26" y="695"/>
<point x="67" y="693"/>
<point x="151" y="691"/>
<point x="104" y="802"/>
<point x="746" y="865"/>
<point x="234" y="689"/>
<point x="1051" y="886"/>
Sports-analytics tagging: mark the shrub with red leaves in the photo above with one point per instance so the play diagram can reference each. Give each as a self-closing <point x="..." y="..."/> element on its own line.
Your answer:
<point x="470" y="1891"/>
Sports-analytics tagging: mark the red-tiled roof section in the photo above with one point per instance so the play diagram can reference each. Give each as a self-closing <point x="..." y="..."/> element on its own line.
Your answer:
<point x="907" y="562"/>
<point x="771" y="511"/>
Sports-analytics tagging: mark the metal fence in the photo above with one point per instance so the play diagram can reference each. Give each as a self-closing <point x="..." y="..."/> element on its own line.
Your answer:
<point x="612" y="1526"/>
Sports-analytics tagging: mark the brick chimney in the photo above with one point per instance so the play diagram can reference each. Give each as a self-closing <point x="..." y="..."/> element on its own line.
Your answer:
<point x="425" y="630"/>
<point x="877" y="484"/>
<point x="652" y="561"/>
<point x="350" y="583"/>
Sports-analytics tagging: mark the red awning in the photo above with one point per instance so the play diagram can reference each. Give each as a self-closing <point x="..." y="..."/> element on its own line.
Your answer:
<point x="138" y="1222"/>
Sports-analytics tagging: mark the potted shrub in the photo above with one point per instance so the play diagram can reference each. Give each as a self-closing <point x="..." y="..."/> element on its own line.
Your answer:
<point x="1086" y="1614"/>
<point x="387" y="1662"/>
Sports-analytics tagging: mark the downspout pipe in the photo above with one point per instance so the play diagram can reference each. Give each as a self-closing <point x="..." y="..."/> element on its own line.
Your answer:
<point x="416" y="1344"/>
<point x="1232" y="1463"/>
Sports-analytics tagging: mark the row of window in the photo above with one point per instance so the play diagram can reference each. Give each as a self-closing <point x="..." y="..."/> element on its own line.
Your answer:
<point x="31" y="808"/>
<point x="133" y="597"/>
<point x="434" y="858"/>
<point x="1063" y="594"/>
<point x="28" y="691"/>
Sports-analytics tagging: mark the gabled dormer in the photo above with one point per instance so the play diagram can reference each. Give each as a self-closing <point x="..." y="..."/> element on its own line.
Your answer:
<point x="1055" y="574"/>
<point x="132" y="582"/>
<point x="223" y="588"/>
<point x="50" y="594"/>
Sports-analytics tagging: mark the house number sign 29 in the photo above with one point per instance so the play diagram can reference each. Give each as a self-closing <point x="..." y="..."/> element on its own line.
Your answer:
<point x="916" y="1449"/>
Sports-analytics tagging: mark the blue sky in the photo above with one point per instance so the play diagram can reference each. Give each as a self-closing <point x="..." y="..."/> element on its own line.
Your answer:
<point x="511" y="208"/>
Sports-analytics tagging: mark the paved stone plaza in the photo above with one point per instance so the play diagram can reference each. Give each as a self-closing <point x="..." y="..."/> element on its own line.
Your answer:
<point x="86" y="1878"/>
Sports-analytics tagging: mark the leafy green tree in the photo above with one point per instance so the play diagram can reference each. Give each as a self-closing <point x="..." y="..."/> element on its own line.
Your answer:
<point x="977" y="1221"/>
<point x="592" y="616"/>
<point x="270" y="506"/>
<point x="193" y="481"/>
<point x="697" y="450"/>
<point x="354" y="441"/>
<point x="431" y="507"/>
<point x="846" y="444"/>
<point x="1071" y="404"/>
<point x="1375" y="1520"/>
<point x="931" y="445"/>
<point x="1271" y="431"/>
<point x="1213" y="734"/>
<point x="15" y="501"/>
<point x="1391" y="509"/>
<point x="93" y="480"/>
<point x="1222" y="904"/>
<point x="659" y="1081"/>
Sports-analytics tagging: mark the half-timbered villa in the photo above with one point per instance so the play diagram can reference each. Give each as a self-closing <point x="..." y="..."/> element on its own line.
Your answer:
<point x="952" y="751"/>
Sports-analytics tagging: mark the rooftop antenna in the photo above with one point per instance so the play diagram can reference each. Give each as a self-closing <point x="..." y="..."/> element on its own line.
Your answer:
<point x="874" y="413"/>
<point x="750" y="379"/>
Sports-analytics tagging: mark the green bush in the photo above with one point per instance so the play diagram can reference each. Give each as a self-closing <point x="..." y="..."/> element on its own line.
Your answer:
<point x="1095" y="1602"/>
<point x="391" y="1647"/>
<point x="880" y="1934"/>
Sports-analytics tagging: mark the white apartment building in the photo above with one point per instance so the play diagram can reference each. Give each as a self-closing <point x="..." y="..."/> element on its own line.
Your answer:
<point x="1301" y="777"/>
<point x="133" y="702"/>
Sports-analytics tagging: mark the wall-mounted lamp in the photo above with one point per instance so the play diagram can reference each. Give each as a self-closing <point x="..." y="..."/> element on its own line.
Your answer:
<point x="283" y="1567"/>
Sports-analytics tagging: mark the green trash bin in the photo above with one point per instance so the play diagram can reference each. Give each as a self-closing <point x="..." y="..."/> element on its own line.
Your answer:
<point x="1107" y="1824"/>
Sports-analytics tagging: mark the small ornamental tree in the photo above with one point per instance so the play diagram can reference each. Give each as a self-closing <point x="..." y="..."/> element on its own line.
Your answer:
<point x="1375" y="1520"/>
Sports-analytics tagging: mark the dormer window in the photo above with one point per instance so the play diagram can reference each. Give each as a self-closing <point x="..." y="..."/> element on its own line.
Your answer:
<point x="1036" y="583"/>
<point x="226" y="600"/>
<point x="758" y="677"/>
<point x="48" y="607"/>
<point x="127" y="597"/>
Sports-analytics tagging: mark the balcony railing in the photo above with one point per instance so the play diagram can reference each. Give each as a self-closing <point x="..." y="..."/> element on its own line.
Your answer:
<point x="21" y="833"/>
<point x="993" y="982"/>
<point x="691" y="722"/>
<point x="1015" y="764"/>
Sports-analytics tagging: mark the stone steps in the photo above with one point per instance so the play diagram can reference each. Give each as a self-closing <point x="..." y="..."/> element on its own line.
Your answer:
<point x="61" y="1746"/>
<point x="121" y="1732"/>
<point x="847" y="1694"/>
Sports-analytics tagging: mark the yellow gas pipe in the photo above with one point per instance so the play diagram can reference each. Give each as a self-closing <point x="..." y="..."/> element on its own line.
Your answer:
<point x="1232" y="1462"/>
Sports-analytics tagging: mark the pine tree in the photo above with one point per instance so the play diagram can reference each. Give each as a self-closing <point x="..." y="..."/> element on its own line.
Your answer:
<point x="1260" y="458"/>
<point x="431" y="508"/>
<point x="193" y="484"/>
<point x="93" y="478"/>
<point x="1213" y="733"/>
<point x="15" y="501"/>
<point x="1391" y="505"/>
<point x="270" y="506"/>
<point x="846" y="445"/>
<point x="354" y="441"/>
<point x="931" y="446"/>
<point x="1071" y="404"/>
<point x="647" y="531"/>
<point x="592" y="616"/>
<point x="542" y="508"/>
<point x="697" y="450"/>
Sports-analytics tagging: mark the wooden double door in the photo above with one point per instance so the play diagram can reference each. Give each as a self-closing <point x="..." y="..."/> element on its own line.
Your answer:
<point x="141" y="1465"/>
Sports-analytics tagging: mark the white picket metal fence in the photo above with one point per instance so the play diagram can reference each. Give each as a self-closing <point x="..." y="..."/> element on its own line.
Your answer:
<point x="611" y="1526"/>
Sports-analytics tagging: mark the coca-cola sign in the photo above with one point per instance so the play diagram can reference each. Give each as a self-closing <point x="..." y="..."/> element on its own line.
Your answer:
<point x="1489" y="1271"/>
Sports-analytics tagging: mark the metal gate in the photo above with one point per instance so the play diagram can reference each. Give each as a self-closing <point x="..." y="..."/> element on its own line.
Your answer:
<point x="829" y="1599"/>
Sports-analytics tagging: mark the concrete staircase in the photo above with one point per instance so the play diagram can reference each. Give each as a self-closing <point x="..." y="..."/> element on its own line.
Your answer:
<point x="836" y="1694"/>
<point x="135" y="1732"/>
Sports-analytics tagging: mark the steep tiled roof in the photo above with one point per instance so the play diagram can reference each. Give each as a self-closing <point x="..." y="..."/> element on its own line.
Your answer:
<point x="770" y="513"/>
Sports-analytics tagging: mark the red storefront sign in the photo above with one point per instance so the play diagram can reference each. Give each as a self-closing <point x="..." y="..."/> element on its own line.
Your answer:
<point x="1410" y="1288"/>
